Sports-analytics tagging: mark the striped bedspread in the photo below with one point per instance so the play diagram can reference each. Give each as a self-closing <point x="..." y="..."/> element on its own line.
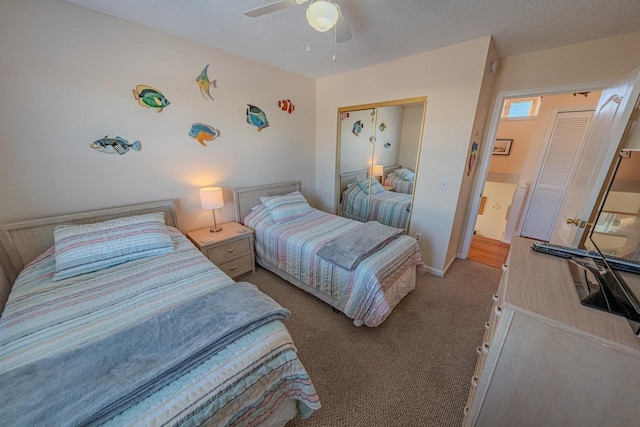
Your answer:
<point x="388" y="207"/>
<point x="293" y="246"/>
<point x="240" y="385"/>
<point x="399" y="185"/>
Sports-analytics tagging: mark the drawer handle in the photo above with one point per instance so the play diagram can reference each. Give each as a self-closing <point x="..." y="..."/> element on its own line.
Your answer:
<point x="504" y="267"/>
<point x="498" y="310"/>
<point x="487" y="325"/>
<point x="485" y="347"/>
<point x="479" y="350"/>
<point x="494" y="297"/>
<point x="229" y="250"/>
<point x="466" y="410"/>
<point x="233" y="267"/>
<point x="474" y="380"/>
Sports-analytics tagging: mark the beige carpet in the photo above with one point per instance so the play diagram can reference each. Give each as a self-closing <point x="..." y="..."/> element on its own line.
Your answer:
<point x="413" y="370"/>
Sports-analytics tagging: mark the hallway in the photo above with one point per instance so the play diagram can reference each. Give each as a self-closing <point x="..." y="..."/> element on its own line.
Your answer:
<point x="488" y="251"/>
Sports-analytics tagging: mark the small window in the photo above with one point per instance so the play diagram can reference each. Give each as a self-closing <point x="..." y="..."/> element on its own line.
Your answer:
<point x="521" y="108"/>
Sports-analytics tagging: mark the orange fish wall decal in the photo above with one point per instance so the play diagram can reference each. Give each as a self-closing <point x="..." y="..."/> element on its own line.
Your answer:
<point x="286" y="105"/>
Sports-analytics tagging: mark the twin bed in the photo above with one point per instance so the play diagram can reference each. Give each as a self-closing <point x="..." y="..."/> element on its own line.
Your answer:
<point x="90" y="349"/>
<point x="367" y="294"/>
<point x="167" y="338"/>
<point x="362" y="202"/>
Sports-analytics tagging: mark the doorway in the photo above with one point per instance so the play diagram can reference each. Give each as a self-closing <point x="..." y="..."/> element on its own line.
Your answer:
<point x="532" y="132"/>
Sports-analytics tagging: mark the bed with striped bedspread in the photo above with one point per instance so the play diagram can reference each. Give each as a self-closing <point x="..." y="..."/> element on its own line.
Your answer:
<point x="387" y="207"/>
<point x="240" y="385"/>
<point x="399" y="185"/>
<point x="363" y="292"/>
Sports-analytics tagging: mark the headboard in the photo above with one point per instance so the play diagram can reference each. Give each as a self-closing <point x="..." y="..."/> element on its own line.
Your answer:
<point x="350" y="177"/>
<point x="388" y="170"/>
<point x="22" y="242"/>
<point x="246" y="198"/>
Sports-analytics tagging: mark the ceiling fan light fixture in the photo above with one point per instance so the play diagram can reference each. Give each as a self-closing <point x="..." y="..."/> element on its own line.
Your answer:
<point x="322" y="15"/>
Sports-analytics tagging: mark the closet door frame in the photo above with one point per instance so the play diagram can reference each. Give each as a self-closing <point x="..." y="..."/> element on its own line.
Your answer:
<point x="374" y="106"/>
<point x="542" y="157"/>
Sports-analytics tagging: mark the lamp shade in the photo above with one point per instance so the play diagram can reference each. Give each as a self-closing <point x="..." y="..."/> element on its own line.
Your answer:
<point x="378" y="170"/>
<point x="322" y="15"/>
<point x="211" y="198"/>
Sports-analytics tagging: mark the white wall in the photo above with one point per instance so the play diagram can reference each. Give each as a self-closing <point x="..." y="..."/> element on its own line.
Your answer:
<point x="67" y="79"/>
<point x="594" y="61"/>
<point x="493" y="221"/>
<point x="482" y="109"/>
<point x="67" y="75"/>
<point x="451" y="78"/>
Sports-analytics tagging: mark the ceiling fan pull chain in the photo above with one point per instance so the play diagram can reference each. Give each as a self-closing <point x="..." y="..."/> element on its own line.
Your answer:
<point x="335" y="32"/>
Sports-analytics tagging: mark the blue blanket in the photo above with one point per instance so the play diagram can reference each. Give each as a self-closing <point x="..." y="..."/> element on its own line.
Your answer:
<point x="93" y="383"/>
<point x="350" y="248"/>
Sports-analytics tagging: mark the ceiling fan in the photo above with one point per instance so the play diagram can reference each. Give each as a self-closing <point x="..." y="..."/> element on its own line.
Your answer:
<point x="322" y="15"/>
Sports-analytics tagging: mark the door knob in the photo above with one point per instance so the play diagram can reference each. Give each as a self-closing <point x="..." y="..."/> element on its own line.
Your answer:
<point x="574" y="221"/>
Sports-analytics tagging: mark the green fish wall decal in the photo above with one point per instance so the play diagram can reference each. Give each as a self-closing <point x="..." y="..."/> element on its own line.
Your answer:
<point x="150" y="97"/>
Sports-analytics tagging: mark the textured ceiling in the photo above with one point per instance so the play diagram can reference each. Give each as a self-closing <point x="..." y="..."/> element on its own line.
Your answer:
<point x="383" y="30"/>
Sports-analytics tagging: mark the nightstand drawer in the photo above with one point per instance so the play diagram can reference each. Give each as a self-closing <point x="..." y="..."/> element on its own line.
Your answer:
<point x="236" y="267"/>
<point x="229" y="250"/>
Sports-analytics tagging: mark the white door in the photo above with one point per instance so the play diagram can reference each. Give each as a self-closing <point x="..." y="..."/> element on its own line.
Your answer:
<point x="610" y="120"/>
<point x="562" y="147"/>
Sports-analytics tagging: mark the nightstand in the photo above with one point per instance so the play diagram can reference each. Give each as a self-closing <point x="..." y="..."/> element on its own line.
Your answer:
<point x="230" y="249"/>
<point x="388" y="187"/>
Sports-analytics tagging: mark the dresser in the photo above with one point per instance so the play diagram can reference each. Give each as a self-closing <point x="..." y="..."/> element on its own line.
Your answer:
<point x="546" y="360"/>
<point x="231" y="249"/>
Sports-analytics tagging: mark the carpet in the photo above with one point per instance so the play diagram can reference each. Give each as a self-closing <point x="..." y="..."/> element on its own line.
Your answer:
<point x="413" y="370"/>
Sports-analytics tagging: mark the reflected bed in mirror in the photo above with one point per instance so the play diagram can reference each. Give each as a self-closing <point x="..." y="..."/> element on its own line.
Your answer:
<point x="617" y="229"/>
<point x="385" y="206"/>
<point x="378" y="150"/>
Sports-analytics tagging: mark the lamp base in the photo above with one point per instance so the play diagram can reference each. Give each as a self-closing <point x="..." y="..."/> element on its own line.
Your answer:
<point x="215" y="229"/>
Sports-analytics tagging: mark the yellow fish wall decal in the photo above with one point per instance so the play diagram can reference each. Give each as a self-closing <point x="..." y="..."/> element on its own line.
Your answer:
<point x="204" y="84"/>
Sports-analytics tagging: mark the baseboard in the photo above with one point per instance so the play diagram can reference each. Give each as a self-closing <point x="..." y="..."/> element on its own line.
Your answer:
<point x="433" y="271"/>
<point x="449" y="264"/>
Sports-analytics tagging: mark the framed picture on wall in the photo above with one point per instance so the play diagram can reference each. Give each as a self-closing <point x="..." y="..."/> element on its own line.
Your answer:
<point x="502" y="147"/>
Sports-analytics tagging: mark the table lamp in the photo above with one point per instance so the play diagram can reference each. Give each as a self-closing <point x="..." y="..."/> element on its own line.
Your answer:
<point x="378" y="171"/>
<point x="211" y="198"/>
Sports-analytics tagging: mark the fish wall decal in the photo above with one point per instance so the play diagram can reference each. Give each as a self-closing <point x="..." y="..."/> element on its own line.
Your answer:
<point x="204" y="84"/>
<point x="150" y="97"/>
<point x="256" y="117"/>
<point x="286" y="105"/>
<point x="357" y="127"/>
<point x="202" y="133"/>
<point x="115" y="145"/>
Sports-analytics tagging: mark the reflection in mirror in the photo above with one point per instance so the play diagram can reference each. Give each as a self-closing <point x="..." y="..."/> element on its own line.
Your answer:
<point x="617" y="230"/>
<point x="377" y="166"/>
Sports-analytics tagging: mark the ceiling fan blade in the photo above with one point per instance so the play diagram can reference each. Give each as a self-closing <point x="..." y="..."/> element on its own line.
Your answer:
<point x="343" y="33"/>
<point x="273" y="7"/>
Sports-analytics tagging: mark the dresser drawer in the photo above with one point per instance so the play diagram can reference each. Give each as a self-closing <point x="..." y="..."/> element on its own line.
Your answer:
<point x="226" y="251"/>
<point x="237" y="266"/>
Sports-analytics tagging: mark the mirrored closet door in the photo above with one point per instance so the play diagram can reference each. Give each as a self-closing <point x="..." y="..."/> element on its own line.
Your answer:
<point x="378" y="153"/>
